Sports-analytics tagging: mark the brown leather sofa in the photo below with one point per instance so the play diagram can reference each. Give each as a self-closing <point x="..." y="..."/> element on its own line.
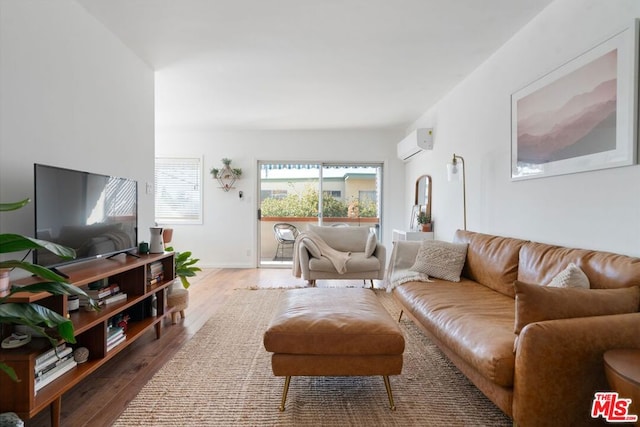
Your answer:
<point x="546" y="376"/>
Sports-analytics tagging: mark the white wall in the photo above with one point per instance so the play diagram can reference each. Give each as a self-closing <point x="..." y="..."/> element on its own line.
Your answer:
<point x="228" y="236"/>
<point x="72" y="96"/>
<point x="599" y="209"/>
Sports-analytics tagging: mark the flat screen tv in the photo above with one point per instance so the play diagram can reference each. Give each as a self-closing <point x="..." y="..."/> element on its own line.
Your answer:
<point x="97" y="215"/>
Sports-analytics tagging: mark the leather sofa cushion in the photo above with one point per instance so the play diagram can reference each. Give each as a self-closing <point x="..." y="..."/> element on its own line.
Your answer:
<point x="357" y="262"/>
<point x="536" y="303"/>
<point x="475" y="322"/>
<point x="540" y="263"/>
<point x="491" y="260"/>
<point x="317" y="321"/>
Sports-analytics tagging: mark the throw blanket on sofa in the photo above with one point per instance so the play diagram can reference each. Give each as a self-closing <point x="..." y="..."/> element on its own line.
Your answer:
<point x="337" y="258"/>
<point x="398" y="271"/>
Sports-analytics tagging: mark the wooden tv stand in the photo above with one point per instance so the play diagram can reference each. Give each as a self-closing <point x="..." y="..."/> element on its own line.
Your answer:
<point x="90" y="329"/>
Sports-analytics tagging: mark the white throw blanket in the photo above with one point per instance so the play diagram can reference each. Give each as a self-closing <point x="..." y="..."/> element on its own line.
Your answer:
<point x="399" y="269"/>
<point x="338" y="259"/>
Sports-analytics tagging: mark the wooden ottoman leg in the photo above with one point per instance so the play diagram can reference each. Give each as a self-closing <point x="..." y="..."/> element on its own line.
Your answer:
<point x="387" y="384"/>
<point x="284" y="392"/>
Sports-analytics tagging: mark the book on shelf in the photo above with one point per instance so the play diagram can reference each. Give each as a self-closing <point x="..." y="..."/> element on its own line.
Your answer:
<point x="115" y="298"/>
<point x="50" y="353"/>
<point x="155" y="272"/>
<point x="99" y="296"/>
<point x="55" y="373"/>
<point x="157" y="279"/>
<point x="120" y="339"/>
<point x="113" y="333"/>
<point x="52" y="360"/>
<point x="43" y="370"/>
<point x="156" y="267"/>
<point x="103" y="292"/>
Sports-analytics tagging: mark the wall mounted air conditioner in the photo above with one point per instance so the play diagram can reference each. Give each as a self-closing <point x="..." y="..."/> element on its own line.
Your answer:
<point x="416" y="141"/>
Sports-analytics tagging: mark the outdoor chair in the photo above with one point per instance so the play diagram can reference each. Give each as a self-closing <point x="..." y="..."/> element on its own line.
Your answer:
<point x="285" y="235"/>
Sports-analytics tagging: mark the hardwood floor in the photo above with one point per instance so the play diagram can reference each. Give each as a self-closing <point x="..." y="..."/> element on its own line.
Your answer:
<point x="100" y="398"/>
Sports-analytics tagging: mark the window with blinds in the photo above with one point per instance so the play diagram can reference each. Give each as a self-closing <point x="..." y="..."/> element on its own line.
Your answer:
<point x="178" y="190"/>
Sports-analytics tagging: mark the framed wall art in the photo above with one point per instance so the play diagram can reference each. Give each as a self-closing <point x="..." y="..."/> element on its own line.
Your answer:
<point x="581" y="116"/>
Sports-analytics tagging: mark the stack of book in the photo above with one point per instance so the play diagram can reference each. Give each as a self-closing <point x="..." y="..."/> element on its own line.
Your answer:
<point x="115" y="336"/>
<point x="155" y="273"/>
<point x="52" y="364"/>
<point x="106" y="295"/>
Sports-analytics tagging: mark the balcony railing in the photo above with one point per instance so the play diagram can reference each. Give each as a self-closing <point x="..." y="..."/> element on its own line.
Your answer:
<point x="268" y="243"/>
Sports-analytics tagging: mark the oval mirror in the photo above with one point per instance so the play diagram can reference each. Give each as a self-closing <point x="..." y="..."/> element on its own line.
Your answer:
<point x="423" y="194"/>
<point x="422" y="202"/>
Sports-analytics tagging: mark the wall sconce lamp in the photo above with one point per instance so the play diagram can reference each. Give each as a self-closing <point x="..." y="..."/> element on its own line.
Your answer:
<point x="226" y="176"/>
<point x="455" y="169"/>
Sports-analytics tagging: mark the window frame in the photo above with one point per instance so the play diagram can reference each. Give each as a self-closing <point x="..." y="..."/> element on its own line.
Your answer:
<point x="197" y="218"/>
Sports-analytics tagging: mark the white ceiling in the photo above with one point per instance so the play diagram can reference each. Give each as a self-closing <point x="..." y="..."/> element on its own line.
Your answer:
<point x="308" y="64"/>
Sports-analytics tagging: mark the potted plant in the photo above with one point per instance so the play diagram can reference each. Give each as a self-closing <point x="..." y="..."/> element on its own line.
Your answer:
<point x="178" y="298"/>
<point x="226" y="176"/>
<point x="34" y="315"/>
<point x="424" y="219"/>
<point x="215" y="172"/>
<point x="185" y="266"/>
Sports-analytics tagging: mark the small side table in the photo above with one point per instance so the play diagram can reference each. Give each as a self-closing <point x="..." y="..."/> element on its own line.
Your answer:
<point x="622" y="367"/>
<point x="411" y="235"/>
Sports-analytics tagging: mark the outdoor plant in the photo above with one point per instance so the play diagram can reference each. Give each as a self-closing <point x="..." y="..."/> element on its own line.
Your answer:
<point x="305" y="205"/>
<point x="185" y="266"/>
<point x="34" y="315"/>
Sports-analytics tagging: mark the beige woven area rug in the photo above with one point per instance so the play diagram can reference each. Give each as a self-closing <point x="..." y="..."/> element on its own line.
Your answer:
<point x="222" y="377"/>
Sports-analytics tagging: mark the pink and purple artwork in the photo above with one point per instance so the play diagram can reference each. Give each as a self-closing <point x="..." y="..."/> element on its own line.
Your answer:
<point x="571" y="117"/>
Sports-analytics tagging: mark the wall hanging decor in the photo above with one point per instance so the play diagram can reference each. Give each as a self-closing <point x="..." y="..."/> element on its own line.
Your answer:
<point x="581" y="116"/>
<point x="227" y="175"/>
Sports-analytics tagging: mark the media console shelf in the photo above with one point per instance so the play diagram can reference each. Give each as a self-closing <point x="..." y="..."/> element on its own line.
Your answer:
<point x="90" y="329"/>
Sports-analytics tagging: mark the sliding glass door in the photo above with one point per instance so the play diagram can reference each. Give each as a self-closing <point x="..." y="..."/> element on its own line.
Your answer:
<point x="294" y="195"/>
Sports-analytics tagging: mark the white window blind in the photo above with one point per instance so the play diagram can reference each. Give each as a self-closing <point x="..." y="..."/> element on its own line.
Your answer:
<point x="178" y="190"/>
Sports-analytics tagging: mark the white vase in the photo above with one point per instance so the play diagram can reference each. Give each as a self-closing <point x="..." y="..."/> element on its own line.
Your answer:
<point x="176" y="284"/>
<point x="156" y="245"/>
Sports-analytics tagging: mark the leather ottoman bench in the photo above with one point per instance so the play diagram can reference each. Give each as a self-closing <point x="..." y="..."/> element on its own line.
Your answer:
<point x="333" y="332"/>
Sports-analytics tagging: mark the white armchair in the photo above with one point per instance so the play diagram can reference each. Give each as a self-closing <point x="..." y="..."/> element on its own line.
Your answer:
<point x="366" y="258"/>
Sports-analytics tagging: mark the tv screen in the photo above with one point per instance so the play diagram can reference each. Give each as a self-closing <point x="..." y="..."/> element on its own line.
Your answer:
<point x="97" y="215"/>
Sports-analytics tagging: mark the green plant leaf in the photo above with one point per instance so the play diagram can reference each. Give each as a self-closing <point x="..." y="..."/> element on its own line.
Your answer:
<point x="42" y="272"/>
<point x="185" y="282"/>
<point x="34" y="315"/>
<point x="4" y="207"/>
<point x="182" y="257"/>
<point x="56" y="288"/>
<point x="189" y="263"/>
<point x="9" y="371"/>
<point x="187" y="272"/>
<point x="16" y="243"/>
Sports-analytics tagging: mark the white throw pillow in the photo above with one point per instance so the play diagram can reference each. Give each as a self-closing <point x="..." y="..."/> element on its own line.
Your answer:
<point x="570" y="277"/>
<point x="287" y="234"/>
<point x="442" y="260"/>
<point x="372" y="242"/>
